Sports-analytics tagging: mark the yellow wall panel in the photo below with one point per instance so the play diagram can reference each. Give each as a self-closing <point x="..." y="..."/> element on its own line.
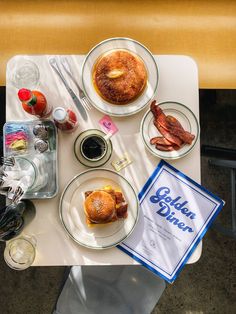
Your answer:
<point x="204" y="30"/>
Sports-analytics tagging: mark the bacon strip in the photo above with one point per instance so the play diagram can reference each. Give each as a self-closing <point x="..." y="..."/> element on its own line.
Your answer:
<point x="159" y="115"/>
<point x="160" y="140"/>
<point x="119" y="197"/>
<point x="122" y="210"/>
<point x="170" y="128"/>
<point x="177" y="129"/>
<point x="165" y="148"/>
<point x="170" y="137"/>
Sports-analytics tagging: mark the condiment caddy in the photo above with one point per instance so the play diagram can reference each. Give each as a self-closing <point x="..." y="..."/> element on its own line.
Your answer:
<point x="33" y="144"/>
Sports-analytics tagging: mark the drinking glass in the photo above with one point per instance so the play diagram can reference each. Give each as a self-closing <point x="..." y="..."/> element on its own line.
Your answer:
<point x="24" y="74"/>
<point x="19" y="253"/>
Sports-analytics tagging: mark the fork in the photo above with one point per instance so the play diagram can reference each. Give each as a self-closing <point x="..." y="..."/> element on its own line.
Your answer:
<point x="6" y="190"/>
<point x="3" y="176"/>
<point x="18" y="193"/>
<point x="2" y="179"/>
<point x="67" y="68"/>
<point x="76" y="100"/>
<point x="8" y="161"/>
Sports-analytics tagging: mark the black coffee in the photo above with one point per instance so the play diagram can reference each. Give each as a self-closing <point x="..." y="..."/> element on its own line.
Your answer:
<point x="93" y="147"/>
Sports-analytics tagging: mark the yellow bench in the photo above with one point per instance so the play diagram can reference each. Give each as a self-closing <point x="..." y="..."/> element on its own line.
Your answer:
<point x="205" y="30"/>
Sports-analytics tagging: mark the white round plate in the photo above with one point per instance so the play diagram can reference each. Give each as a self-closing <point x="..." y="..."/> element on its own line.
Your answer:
<point x="152" y="81"/>
<point x="72" y="212"/>
<point x="187" y="119"/>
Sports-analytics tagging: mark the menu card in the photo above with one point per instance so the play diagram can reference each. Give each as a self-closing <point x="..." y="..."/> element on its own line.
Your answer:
<point x="175" y="214"/>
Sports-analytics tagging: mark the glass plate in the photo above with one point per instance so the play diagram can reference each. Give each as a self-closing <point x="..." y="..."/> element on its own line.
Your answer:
<point x="187" y="119"/>
<point x="73" y="217"/>
<point x="152" y="81"/>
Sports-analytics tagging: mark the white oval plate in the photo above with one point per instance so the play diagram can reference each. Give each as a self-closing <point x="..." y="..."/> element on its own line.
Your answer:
<point x="187" y="119"/>
<point x="72" y="212"/>
<point x="152" y="81"/>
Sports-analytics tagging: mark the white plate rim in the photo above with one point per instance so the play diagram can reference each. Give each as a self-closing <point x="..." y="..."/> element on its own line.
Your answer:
<point x="60" y="209"/>
<point x="154" y="62"/>
<point x="191" y="146"/>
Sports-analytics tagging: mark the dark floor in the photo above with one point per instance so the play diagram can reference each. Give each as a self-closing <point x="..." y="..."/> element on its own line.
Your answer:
<point x="208" y="286"/>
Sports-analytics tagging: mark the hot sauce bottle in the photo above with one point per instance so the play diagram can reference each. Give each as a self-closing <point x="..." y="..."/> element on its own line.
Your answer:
<point x="65" y="119"/>
<point x="34" y="102"/>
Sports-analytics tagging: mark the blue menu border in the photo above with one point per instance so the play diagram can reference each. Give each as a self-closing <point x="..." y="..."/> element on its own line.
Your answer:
<point x="152" y="179"/>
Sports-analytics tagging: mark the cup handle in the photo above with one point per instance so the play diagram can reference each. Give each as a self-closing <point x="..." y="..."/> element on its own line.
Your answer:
<point x="108" y="136"/>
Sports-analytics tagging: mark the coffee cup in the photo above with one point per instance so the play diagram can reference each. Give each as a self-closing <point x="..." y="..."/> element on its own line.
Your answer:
<point x="93" y="148"/>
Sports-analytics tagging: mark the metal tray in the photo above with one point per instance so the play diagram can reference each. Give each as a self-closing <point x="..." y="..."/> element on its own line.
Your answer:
<point x="50" y="167"/>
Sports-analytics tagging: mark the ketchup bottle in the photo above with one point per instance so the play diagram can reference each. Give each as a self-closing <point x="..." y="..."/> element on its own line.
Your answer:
<point x="65" y="119"/>
<point x="34" y="102"/>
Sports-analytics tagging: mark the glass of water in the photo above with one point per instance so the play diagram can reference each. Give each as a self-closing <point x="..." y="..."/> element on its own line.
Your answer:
<point x="19" y="253"/>
<point x="24" y="74"/>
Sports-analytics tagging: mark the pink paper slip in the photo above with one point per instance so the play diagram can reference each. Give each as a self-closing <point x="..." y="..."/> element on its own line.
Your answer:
<point x="107" y="125"/>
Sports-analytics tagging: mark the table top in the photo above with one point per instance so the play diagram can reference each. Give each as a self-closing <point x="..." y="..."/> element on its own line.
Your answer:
<point x="178" y="81"/>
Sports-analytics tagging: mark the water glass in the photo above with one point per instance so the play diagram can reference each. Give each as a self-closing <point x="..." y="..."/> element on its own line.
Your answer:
<point x="25" y="74"/>
<point x="19" y="253"/>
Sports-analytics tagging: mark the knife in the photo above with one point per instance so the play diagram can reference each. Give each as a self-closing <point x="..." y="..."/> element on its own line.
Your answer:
<point x="79" y="106"/>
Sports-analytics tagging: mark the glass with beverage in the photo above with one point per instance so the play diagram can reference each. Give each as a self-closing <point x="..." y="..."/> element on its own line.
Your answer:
<point x="19" y="253"/>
